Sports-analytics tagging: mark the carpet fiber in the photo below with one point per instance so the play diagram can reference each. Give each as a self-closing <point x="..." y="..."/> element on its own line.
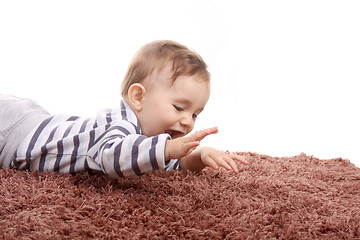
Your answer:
<point x="298" y="197"/>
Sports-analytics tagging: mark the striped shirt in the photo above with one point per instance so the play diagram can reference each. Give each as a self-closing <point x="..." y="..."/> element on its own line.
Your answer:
<point x="111" y="143"/>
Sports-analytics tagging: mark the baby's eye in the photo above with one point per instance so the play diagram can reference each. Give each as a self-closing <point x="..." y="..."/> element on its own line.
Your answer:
<point x="194" y="116"/>
<point x="179" y="109"/>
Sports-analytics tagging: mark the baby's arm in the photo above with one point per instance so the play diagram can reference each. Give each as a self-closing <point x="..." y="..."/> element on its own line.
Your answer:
<point x="196" y="160"/>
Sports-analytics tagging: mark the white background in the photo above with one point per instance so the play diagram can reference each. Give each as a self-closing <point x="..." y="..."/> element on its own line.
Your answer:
<point x="285" y="74"/>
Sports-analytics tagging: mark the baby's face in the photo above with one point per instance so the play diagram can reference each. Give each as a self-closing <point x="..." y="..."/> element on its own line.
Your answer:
<point x="173" y="108"/>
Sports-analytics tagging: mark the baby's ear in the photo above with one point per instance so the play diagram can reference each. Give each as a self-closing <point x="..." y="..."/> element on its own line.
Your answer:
<point x="136" y="94"/>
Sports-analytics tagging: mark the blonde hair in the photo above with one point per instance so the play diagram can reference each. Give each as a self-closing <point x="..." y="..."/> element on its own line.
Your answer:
<point x="156" y="56"/>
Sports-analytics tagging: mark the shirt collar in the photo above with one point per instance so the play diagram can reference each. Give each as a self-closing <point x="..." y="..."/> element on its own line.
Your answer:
<point x="128" y="114"/>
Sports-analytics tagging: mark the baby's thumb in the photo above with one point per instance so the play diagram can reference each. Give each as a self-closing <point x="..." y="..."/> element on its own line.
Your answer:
<point x="189" y="147"/>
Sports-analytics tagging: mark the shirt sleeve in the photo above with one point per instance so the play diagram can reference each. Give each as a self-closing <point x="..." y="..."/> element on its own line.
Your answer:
<point x="172" y="164"/>
<point x="122" y="154"/>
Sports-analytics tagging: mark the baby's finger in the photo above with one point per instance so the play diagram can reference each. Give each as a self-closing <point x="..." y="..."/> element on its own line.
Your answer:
<point x="221" y="162"/>
<point x="210" y="162"/>
<point x="231" y="162"/>
<point x="239" y="158"/>
<point x="200" y="135"/>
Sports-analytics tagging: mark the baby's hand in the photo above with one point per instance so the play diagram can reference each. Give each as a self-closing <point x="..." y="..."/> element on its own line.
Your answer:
<point x="181" y="147"/>
<point x="215" y="159"/>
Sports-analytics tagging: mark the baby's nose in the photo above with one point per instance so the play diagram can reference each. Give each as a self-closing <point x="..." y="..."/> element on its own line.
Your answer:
<point x="187" y="122"/>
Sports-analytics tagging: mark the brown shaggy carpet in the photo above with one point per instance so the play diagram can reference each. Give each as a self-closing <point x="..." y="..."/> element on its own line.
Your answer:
<point x="298" y="197"/>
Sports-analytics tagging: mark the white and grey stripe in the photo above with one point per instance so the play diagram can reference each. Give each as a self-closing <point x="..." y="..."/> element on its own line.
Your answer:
<point x="111" y="143"/>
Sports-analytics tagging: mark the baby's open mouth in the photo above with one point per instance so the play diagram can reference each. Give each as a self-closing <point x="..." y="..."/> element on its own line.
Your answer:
<point x="174" y="133"/>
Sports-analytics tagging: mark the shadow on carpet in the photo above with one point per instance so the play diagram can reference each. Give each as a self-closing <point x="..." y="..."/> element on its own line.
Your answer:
<point x="298" y="197"/>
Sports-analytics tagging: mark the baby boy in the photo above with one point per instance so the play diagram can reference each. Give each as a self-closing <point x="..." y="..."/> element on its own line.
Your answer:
<point x="164" y="90"/>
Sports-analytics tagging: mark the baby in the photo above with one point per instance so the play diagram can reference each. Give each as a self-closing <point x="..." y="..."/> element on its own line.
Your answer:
<point x="164" y="90"/>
